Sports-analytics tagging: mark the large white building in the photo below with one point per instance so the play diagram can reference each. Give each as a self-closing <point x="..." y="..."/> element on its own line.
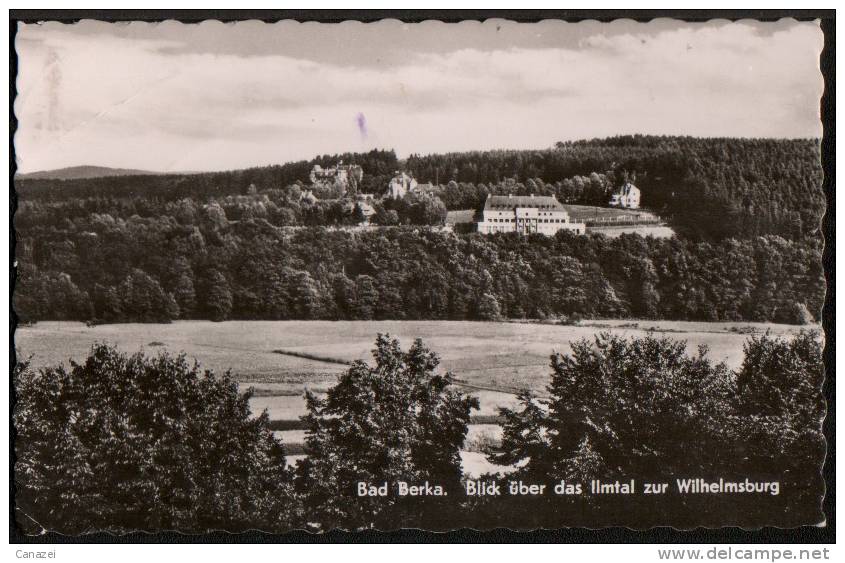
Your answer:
<point x="627" y="196"/>
<point x="525" y="215"/>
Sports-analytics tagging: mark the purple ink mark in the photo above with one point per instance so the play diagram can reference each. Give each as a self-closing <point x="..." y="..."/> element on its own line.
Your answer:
<point x="362" y="125"/>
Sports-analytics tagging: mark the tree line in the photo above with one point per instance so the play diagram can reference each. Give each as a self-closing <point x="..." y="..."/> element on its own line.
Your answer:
<point x="126" y="443"/>
<point x="378" y="165"/>
<point x="248" y="244"/>
<point x="709" y="188"/>
<point x="97" y="268"/>
<point x="281" y="207"/>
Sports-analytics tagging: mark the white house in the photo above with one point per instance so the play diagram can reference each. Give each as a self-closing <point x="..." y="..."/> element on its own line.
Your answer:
<point x="525" y="214"/>
<point x="627" y="196"/>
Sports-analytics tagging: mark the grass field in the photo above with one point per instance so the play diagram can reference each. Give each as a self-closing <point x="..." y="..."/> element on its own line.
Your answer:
<point x="503" y="356"/>
<point x="506" y="355"/>
<point x="591" y="212"/>
<point x="459" y="216"/>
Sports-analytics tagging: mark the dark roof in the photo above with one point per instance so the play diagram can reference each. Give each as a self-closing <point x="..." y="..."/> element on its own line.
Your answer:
<point x="513" y="201"/>
<point x="626" y="189"/>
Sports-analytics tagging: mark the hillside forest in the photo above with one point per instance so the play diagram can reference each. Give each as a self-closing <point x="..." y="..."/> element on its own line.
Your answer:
<point x="246" y="244"/>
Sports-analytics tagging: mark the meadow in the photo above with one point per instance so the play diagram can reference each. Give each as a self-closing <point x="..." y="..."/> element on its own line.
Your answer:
<point x="278" y="359"/>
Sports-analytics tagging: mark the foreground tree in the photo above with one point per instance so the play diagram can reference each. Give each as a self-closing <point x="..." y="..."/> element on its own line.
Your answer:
<point x="628" y="406"/>
<point x="777" y="430"/>
<point x="125" y="443"/>
<point x="646" y="409"/>
<point x="639" y="403"/>
<point x="395" y="421"/>
<point x="783" y="377"/>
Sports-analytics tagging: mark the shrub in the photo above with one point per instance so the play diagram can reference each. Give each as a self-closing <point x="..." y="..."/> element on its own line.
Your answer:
<point x="395" y="421"/>
<point x="124" y="443"/>
<point x="639" y="402"/>
<point x="645" y="409"/>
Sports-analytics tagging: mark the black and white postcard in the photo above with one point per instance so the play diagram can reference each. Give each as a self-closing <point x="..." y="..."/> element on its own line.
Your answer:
<point x="418" y="275"/>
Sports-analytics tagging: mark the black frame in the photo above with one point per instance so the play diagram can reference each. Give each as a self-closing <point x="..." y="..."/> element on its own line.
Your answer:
<point x="663" y="535"/>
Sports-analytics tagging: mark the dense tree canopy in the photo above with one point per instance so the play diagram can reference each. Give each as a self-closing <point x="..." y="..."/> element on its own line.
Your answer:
<point x="157" y="269"/>
<point x="246" y="244"/>
<point x="132" y="443"/>
<point x="395" y="421"/>
<point x="645" y="409"/>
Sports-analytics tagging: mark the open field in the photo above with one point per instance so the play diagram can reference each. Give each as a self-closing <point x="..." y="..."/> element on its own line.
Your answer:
<point x="457" y="216"/>
<point x="503" y="356"/>
<point x="475" y="464"/>
<point x="581" y="213"/>
<point x="513" y="354"/>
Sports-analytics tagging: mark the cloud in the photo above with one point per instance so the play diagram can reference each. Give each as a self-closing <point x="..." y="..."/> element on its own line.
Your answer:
<point x="142" y="101"/>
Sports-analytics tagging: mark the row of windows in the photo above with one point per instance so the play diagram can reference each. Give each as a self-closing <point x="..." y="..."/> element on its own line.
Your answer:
<point x="523" y="220"/>
<point x="539" y="212"/>
<point x="496" y="229"/>
<point x="510" y="207"/>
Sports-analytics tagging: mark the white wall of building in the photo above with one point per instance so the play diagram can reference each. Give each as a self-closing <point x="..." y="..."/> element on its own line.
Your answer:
<point x="527" y="220"/>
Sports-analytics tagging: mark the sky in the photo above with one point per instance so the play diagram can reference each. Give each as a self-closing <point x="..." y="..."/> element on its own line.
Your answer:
<point x="215" y="96"/>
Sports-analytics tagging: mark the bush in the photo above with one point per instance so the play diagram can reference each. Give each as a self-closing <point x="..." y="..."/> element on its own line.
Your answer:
<point x="395" y="421"/>
<point x="124" y="443"/>
<point x="637" y="404"/>
<point x="645" y="409"/>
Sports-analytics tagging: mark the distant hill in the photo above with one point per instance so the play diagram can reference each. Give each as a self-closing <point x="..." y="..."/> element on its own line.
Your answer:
<point x="82" y="172"/>
<point x="379" y="166"/>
